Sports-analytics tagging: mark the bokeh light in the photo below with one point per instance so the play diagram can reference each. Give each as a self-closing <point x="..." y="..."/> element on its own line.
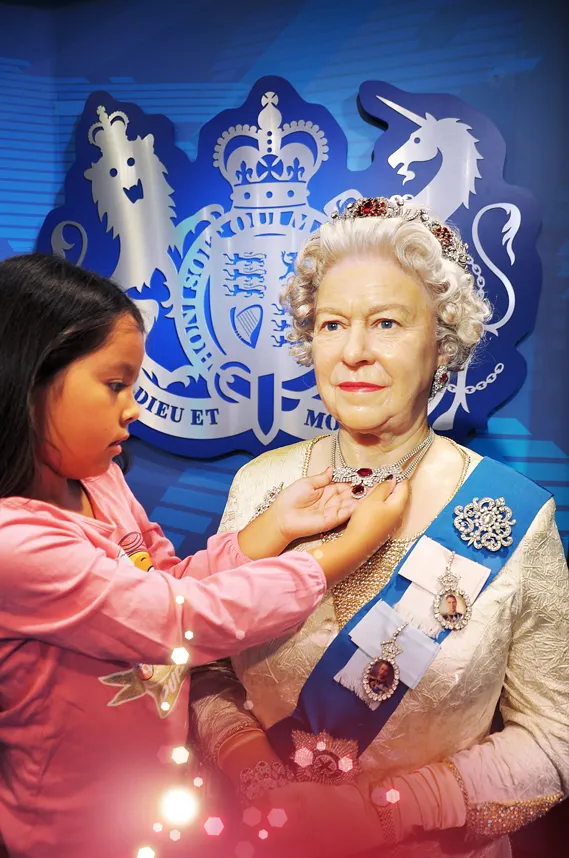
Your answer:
<point x="251" y="816"/>
<point x="180" y="755"/>
<point x="213" y="826"/>
<point x="180" y="655"/>
<point x="277" y="817"/>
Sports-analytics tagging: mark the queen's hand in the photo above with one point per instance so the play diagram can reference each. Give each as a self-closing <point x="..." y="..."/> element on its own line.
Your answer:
<point x="321" y="820"/>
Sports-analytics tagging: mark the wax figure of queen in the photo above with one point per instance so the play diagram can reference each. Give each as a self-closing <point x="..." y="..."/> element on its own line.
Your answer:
<point x="371" y="724"/>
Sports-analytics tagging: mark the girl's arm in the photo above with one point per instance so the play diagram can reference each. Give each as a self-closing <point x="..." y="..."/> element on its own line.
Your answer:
<point x="59" y="587"/>
<point x="310" y="505"/>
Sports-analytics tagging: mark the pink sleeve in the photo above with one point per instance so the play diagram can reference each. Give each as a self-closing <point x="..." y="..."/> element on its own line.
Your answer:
<point x="57" y="587"/>
<point x="222" y="554"/>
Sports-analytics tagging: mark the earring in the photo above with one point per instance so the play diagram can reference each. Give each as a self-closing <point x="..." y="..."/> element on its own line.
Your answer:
<point x="440" y="381"/>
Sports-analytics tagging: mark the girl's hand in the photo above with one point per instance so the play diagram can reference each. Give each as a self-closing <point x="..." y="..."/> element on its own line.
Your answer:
<point x="378" y="516"/>
<point x="312" y="505"/>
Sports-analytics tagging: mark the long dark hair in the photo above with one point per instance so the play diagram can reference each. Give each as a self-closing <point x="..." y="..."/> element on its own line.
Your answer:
<point x="51" y="313"/>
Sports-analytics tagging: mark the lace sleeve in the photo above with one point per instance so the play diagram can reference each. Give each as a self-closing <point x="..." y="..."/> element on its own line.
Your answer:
<point x="516" y="775"/>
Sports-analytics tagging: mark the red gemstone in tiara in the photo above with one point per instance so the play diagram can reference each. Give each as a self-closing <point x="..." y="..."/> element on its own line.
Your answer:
<point x="452" y="246"/>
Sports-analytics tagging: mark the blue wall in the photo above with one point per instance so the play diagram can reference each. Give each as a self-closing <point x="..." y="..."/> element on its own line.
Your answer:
<point x="190" y="60"/>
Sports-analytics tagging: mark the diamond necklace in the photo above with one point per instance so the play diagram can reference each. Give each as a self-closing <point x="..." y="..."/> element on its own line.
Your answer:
<point x="363" y="478"/>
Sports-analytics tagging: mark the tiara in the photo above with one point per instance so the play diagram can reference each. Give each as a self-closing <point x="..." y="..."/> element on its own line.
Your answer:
<point x="452" y="246"/>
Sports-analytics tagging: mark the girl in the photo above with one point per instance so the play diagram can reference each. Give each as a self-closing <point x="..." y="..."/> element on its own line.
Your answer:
<point x="99" y="620"/>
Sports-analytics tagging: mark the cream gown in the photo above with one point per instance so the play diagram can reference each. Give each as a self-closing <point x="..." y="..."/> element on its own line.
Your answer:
<point x="514" y="652"/>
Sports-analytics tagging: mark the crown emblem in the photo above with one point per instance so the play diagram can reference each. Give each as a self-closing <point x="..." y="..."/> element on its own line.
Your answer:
<point x="117" y="121"/>
<point x="270" y="165"/>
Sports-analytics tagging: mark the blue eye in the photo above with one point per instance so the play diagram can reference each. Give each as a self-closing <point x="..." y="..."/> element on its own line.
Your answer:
<point x="117" y="386"/>
<point x="331" y="326"/>
<point x="387" y="324"/>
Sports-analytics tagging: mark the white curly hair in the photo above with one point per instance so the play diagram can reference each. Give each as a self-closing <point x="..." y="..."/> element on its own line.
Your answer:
<point x="460" y="309"/>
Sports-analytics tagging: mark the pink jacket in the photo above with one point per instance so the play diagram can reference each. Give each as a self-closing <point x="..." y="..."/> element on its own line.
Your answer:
<point x="91" y="703"/>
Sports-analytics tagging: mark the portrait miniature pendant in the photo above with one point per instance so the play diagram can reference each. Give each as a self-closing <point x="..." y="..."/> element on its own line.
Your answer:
<point x="451" y="605"/>
<point x="381" y="676"/>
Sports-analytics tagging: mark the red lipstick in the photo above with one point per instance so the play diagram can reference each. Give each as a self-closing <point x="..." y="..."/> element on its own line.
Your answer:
<point x="359" y="387"/>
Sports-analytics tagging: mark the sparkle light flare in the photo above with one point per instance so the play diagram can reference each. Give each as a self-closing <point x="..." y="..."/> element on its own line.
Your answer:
<point x="263" y="834"/>
<point x="189" y="636"/>
<point x="146" y="852"/>
<point x="157" y="827"/>
<point x="180" y="600"/>
<point x="198" y="782"/>
<point x="175" y="834"/>
<point x="180" y="655"/>
<point x="180" y="755"/>
<point x="179" y="806"/>
<point x="392" y="796"/>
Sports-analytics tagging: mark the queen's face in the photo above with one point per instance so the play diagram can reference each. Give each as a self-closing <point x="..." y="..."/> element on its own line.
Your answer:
<point x="374" y="346"/>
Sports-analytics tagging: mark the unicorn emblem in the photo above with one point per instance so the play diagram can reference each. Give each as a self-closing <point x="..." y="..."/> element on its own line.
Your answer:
<point x="456" y="179"/>
<point x="450" y="189"/>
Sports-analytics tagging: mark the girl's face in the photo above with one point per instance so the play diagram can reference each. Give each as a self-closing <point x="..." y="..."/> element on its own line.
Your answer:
<point x="85" y="412"/>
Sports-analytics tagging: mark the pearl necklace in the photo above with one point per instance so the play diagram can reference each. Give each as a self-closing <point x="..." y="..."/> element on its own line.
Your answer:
<point x="363" y="478"/>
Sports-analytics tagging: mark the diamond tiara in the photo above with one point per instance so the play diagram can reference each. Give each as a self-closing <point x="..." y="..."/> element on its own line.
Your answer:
<point x="452" y="246"/>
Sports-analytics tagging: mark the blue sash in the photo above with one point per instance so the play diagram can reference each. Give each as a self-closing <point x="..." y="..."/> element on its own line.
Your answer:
<point x="324" y="704"/>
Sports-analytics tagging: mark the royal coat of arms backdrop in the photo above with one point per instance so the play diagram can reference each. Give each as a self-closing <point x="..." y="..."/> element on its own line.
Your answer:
<point x="205" y="248"/>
